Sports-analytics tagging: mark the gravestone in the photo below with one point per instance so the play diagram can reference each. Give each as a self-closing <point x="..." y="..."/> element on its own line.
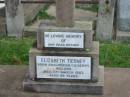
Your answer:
<point x="104" y="29"/>
<point x="14" y="18"/>
<point x="65" y="58"/>
<point x="123" y="15"/>
<point x="123" y="20"/>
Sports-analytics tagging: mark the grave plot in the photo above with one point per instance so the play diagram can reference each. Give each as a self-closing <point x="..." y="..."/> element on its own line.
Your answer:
<point x="65" y="59"/>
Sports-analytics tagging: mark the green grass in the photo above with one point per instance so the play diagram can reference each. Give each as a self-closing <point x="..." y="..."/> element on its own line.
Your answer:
<point x="90" y="7"/>
<point x="15" y="52"/>
<point x="43" y="13"/>
<point x="115" y="54"/>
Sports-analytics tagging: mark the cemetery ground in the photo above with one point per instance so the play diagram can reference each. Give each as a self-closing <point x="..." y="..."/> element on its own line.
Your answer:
<point x="14" y="65"/>
<point x="115" y="56"/>
<point x="117" y="83"/>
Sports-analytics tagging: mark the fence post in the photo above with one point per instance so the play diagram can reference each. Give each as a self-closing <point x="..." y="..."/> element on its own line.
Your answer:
<point x="14" y="18"/>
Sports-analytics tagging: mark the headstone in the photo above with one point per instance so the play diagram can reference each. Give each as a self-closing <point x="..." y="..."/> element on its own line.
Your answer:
<point x="14" y="18"/>
<point x="123" y="17"/>
<point x="123" y="21"/>
<point x="65" y="59"/>
<point x="104" y="30"/>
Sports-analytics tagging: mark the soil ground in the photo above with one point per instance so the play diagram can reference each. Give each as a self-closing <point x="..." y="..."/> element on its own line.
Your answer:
<point x="117" y="83"/>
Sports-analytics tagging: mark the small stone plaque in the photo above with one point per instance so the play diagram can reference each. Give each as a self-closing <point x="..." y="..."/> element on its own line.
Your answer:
<point x="64" y="39"/>
<point x="63" y="67"/>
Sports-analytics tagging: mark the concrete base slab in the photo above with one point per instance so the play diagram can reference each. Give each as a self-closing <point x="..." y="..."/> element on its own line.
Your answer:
<point x="66" y="87"/>
<point x="123" y="36"/>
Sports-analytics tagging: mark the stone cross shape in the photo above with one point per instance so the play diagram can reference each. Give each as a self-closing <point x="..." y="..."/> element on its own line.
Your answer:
<point x="65" y="13"/>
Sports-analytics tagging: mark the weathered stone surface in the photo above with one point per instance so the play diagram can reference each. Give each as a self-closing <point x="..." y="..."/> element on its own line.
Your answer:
<point x="2" y="22"/>
<point x="2" y="11"/>
<point x="105" y="20"/>
<point x="89" y="25"/>
<point x="65" y="13"/>
<point x="14" y="18"/>
<point x="94" y="53"/>
<point x="2" y="27"/>
<point x="79" y="14"/>
<point x="123" y="36"/>
<point x="80" y="26"/>
<point x="31" y="11"/>
<point x="123" y="15"/>
<point x="66" y="87"/>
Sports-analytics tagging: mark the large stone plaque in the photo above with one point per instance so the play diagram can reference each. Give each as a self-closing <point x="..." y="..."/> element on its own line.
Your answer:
<point x="64" y="39"/>
<point x="63" y="67"/>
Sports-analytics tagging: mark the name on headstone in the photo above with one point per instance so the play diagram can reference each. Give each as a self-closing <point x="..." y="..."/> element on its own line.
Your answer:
<point x="64" y="39"/>
<point x="63" y="67"/>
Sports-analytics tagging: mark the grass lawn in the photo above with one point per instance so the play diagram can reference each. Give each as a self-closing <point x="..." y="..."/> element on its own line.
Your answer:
<point x="115" y="54"/>
<point x="15" y="52"/>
